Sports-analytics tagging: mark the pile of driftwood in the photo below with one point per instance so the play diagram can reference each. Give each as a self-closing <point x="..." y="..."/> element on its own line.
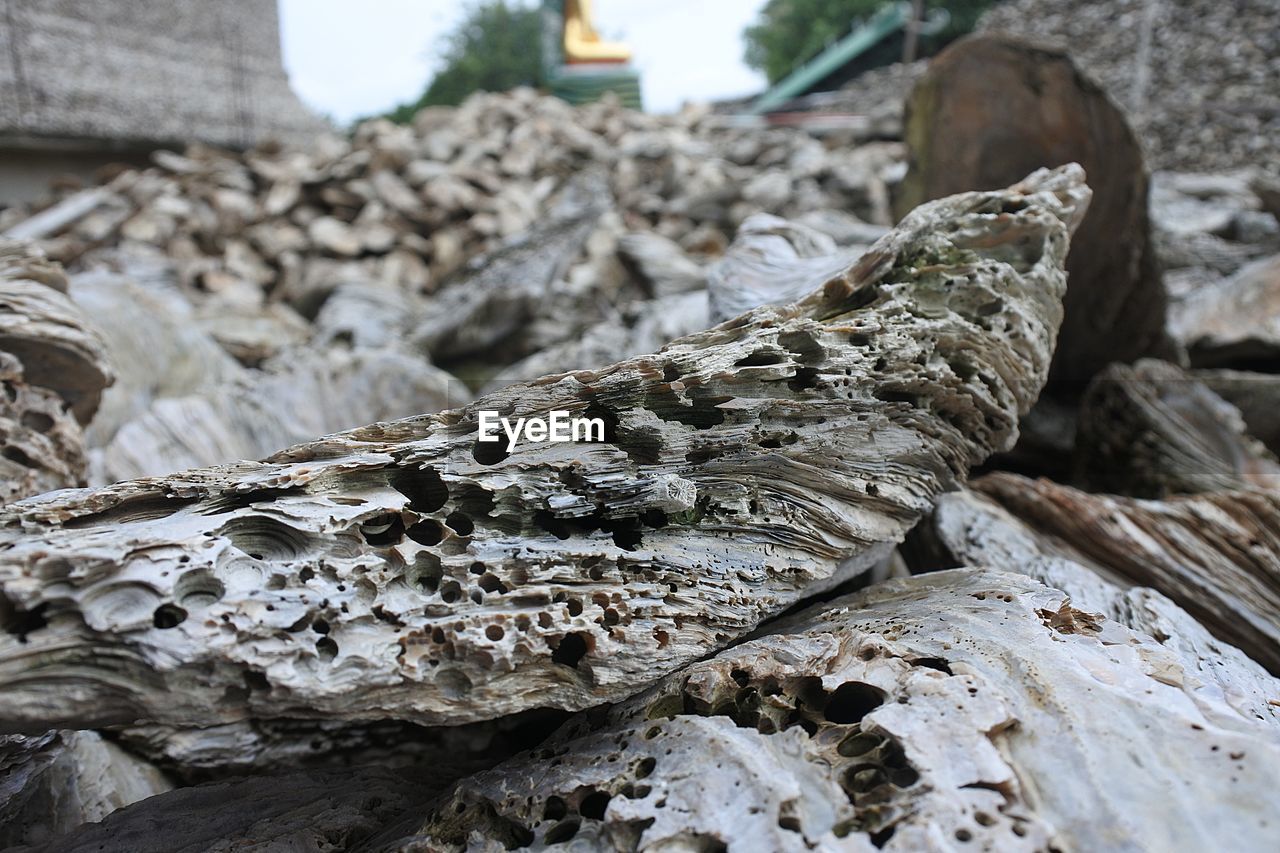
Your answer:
<point x="959" y="534"/>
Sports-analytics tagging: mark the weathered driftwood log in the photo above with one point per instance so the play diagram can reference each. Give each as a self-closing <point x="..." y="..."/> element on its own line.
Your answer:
<point x="963" y="708"/>
<point x="1215" y="554"/>
<point x="660" y="264"/>
<point x="300" y="394"/>
<point x="499" y="291"/>
<point x="41" y="445"/>
<point x="276" y="745"/>
<point x="408" y="570"/>
<point x="1235" y="323"/>
<point x="151" y="339"/>
<point x="641" y="327"/>
<point x="773" y="261"/>
<point x="1256" y="395"/>
<point x="47" y="333"/>
<point x="55" y="782"/>
<point x="53" y="370"/>
<point x="991" y="108"/>
<point x="1151" y="429"/>
<point x="311" y="810"/>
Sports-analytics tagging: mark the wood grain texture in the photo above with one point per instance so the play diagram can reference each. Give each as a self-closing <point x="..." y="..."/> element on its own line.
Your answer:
<point x="404" y="570"/>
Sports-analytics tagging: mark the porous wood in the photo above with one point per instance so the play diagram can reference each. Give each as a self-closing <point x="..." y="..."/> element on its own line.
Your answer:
<point x="967" y="708"/>
<point x="405" y="570"/>
<point x="1151" y="429"/>
<point x="300" y="394"/>
<point x="968" y="528"/>
<point x="1216" y="554"/>
<point x="53" y="369"/>
<point x="991" y="108"/>
<point x="46" y="332"/>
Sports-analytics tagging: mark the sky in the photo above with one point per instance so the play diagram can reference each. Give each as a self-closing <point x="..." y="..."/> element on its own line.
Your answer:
<point x="347" y="63"/>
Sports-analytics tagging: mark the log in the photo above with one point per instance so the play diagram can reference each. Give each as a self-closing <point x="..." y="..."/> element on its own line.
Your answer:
<point x="55" y="782"/>
<point x="1216" y="554"/>
<point x="1256" y="395"/>
<point x="969" y="528"/>
<point x="773" y="261"/>
<point x="299" y="394"/>
<point x="966" y="708"/>
<point x="47" y="333"/>
<point x="641" y="327"/>
<point x="499" y="291"/>
<point x="742" y="469"/>
<point x="991" y="108"/>
<point x="310" y="810"/>
<point x="1235" y="323"/>
<point x="53" y="370"/>
<point x="1151" y="430"/>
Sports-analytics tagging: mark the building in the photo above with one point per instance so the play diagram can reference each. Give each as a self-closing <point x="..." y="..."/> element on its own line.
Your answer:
<point x="85" y="82"/>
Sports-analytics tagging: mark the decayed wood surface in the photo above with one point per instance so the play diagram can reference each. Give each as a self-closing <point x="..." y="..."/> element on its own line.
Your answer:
<point x="1256" y="395"/>
<point x="317" y="810"/>
<point x="46" y="332"/>
<point x="1216" y="554"/>
<point x="405" y="570"/>
<point x="969" y="528"/>
<point x="773" y="261"/>
<point x="53" y="370"/>
<point x="57" y="781"/>
<point x="1151" y="429"/>
<point x="968" y="708"/>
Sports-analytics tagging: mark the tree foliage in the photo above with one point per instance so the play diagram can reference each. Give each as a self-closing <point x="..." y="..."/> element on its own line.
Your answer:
<point x="496" y="46"/>
<point x="789" y="32"/>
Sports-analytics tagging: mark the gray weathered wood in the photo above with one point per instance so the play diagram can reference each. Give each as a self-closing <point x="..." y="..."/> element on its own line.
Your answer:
<point x="405" y="570"/>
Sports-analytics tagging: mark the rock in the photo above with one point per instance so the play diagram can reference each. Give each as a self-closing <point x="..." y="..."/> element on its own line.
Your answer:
<point x="1151" y="430"/>
<point x="1214" y="554"/>
<point x="152" y="341"/>
<point x="252" y="336"/>
<point x="1267" y="188"/>
<point x="920" y="713"/>
<point x="407" y="570"/>
<point x="334" y="236"/>
<point x="53" y="370"/>
<point x="41" y="445"/>
<point x="642" y="327"/>
<point x="1237" y="322"/>
<point x="991" y="108"/>
<point x="497" y="294"/>
<point x="366" y="315"/>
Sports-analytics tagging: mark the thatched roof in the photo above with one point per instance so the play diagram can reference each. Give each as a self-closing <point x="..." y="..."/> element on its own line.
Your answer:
<point x="141" y="74"/>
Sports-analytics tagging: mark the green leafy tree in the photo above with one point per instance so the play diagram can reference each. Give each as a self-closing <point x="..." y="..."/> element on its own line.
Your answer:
<point x="789" y="32"/>
<point x="496" y="46"/>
